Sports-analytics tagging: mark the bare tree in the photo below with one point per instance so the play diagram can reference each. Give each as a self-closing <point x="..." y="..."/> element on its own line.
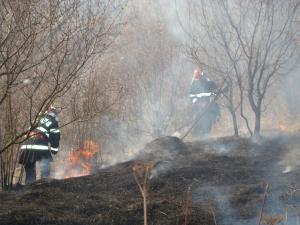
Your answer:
<point x="153" y="65"/>
<point x="254" y="40"/>
<point x="89" y="99"/>
<point x="45" y="46"/>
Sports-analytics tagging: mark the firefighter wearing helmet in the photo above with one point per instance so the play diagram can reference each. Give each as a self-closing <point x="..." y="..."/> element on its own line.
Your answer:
<point x="41" y="142"/>
<point x="201" y="84"/>
<point x="203" y="95"/>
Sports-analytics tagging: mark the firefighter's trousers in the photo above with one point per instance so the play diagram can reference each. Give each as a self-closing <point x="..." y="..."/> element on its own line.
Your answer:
<point x="30" y="169"/>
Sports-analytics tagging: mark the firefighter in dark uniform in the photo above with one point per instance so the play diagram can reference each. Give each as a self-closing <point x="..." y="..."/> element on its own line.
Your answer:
<point x="42" y="141"/>
<point x="201" y="83"/>
<point x="201" y="93"/>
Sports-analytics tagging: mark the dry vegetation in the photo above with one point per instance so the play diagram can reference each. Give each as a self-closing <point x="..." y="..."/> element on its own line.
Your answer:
<point x="201" y="185"/>
<point x="120" y="71"/>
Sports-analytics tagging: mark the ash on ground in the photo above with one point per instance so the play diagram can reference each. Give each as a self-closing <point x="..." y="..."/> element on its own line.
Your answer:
<point x="219" y="181"/>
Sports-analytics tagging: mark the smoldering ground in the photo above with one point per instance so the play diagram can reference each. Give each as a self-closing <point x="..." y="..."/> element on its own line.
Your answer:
<point x="226" y="178"/>
<point x="231" y="172"/>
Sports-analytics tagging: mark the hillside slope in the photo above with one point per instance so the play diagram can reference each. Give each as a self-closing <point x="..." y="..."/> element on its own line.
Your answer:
<point x="216" y="181"/>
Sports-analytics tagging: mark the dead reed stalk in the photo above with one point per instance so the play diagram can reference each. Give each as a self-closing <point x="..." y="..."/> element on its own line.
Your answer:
<point x="187" y="206"/>
<point x="263" y="204"/>
<point x="141" y="172"/>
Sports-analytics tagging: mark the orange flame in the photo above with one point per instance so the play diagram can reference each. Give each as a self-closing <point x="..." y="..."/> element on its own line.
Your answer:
<point x="78" y="162"/>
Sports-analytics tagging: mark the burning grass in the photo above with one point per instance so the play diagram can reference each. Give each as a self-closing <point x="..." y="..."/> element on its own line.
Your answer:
<point x="224" y="187"/>
<point x="78" y="162"/>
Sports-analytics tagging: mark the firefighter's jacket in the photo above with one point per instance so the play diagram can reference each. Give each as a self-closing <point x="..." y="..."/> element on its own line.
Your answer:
<point x="202" y="85"/>
<point x="42" y="140"/>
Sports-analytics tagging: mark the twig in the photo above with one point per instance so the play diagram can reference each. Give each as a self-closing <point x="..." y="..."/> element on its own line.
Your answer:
<point x="286" y="215"/>
<point x="142" y="171"/>
<point x="263" y="204"/>
<point x="186" y="208"/>
<point x="214" y="215"/>
<point x="163" y="213"/>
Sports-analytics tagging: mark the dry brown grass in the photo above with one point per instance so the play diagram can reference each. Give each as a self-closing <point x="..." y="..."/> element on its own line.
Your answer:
<point x="272" y="220"/>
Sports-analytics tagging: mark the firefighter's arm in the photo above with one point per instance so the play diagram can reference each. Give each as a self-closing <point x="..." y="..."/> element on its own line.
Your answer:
<point x="54" y="138"/>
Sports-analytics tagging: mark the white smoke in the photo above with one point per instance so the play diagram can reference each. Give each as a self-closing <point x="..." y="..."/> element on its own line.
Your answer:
<point x="290" y="161"/>
<point x="160" y="169"/>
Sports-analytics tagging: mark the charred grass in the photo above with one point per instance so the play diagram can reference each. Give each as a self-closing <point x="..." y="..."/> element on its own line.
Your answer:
<point x="226" y="178"/>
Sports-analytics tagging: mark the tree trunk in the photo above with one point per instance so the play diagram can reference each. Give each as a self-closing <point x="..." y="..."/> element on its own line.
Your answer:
<point x="234" y="122"/>
<point x="8" y="159"/>
<point x="257" y="122"/>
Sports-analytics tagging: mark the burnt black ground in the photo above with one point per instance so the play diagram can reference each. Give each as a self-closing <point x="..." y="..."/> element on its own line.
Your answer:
<point x="226" y="179"/>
